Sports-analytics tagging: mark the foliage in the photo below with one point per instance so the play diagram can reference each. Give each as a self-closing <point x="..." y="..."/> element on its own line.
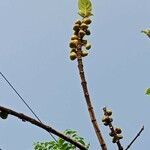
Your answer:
<point x="147" y="91"/>
<point x="85" y="8"/>
<point x="146" y="32"/>
<point x="61" y="144"/>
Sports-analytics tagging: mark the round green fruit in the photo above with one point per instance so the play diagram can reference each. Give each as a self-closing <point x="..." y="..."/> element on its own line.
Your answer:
<point x="88" y="46"/>
<point x="84" y="53"/>
<point x="73" y="50"/>
<point x="106" y="123"/>
<point x="78" y="22"/>
<point x="114" y="140"/>
<point x="87" y="20"/>
<point x="84" y="26"/>
<point x="73" y="56"/>
<point x="74" y="37"/>
<point x="111" y="134"/>
<point x="104" y="119"/>
<point x="73" y="43"/>
<point x="119" y="136"/>
<point x="118" y="130"/>
<point x="109" y="112"/>
<point x="84" y="42"/>
<point x="81" y="33"/>
<point x="87" y="32"/>
<point x="3" y="115"/>
<point x="76" y="27"/>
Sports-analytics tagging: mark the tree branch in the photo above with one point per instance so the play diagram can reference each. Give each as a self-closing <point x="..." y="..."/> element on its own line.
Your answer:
<point x="138" y="134"/>
<point x="88" y="100"/>
<point x="41" y="125"/>
<point x="111" y="127"/>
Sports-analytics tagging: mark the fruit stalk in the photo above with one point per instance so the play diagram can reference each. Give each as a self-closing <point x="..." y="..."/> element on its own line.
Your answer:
<point x="111" y="127"/>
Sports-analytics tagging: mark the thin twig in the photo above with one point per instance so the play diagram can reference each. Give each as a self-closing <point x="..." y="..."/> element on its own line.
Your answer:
<point x="41" y="125"/>
<point x="88" y="100"/>
<point x="138" y="134"/>
<point x="111" y="127"/>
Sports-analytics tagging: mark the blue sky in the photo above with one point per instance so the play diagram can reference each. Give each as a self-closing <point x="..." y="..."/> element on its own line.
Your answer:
<point x="34" y="56"/>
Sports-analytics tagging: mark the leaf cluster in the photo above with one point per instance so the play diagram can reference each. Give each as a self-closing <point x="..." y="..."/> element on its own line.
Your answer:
<point x="61" y="144"/>
<point x="85" y="8"/>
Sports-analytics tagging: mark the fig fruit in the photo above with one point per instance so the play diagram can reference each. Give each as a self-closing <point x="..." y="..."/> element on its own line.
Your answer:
<point x="111" y="134"/>
<point x="81" y="33"/>
<point x="114" y="140"/>
<point x="76" y="27"/>
<point x="106" y="123"/>
<point x="3" y="115"/>
<point x="118" y="130"/>
<point x="78" y="22"/>
<point x="119" y="136"/>
<point x="88" y="46"/>
<point x="73" y="50"/>
<point x="84" y="26"/>
<point x="74" y="37"/>
<point x="87" y="32"/>
<point x="84" y="53"/>
<point x="84" y="42"/>
<point x="73" y="56"/>
<point x="87" y="20"/>
<point x="73" y="43"/>
<point x="109" y="112"/>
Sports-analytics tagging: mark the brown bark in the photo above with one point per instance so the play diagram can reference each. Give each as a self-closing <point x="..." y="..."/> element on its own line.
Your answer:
<point x="88" y="100"/>
<point x="41" y="125"/>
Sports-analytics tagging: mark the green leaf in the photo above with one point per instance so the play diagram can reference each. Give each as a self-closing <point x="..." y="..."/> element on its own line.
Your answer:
<point x="61" y="144"/>
<point x="85" y="8"/>
<point x="147" y="91"/>
<point x="146" y="32"/>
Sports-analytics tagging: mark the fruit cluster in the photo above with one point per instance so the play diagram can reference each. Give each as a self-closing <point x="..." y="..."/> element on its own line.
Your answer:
<point x="77" y="42"/>
<point x="3" y="114"/>
<point x="115" y="132"/>
<point x="107" y="119"/>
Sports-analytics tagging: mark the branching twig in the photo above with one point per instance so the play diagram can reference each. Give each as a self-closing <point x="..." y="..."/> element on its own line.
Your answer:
<point x="138" y="134"/>
<point x="111" y="127"/>
<point x="41" y="125"/>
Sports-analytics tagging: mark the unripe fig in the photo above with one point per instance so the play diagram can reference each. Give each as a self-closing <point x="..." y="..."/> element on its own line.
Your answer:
<point x="84" y="26"/>
<point x="87" y="20"/>
<point x="84" y="53"/>
<point x="73" y="56"/>
<point x="76" y="33"/>
<point x="103" y="118"/>
<point x="74" y="37"/>
<point x="81" y="33"/>
<point x="109" y="112"/>
<point x="78" y="22"/>
<point x="84" y="42"/>
<point x="110" y="119"/>
<point x="111" y="134"/>
<point x="119" y="136"/>
<point x="76" y="27"/>
<point x="73" y="50"/>
<point x="106" y="123"/>
<point x="88" y="46"/>
<point x="87" y="32"/>
<point x="118" y="130"/>
<point x="3" y="115"/>
<point x="107" y="119"/>
<point x="114" y="140"/>
<point x="73" y="43"/>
